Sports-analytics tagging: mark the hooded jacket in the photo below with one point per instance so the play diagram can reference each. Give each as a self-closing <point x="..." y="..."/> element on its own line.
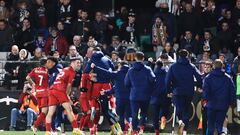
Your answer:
<point x="159" y="93"/>
<point x="101" y="61"/>
<point x="180" y="78"/>
<point x="219" y="90"/>
<point x="119" y="89"/>
<point x="140" y="79"/>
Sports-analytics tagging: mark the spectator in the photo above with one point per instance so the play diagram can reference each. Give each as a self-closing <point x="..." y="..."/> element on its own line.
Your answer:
<point x="236" y="63"/>
<point x="100" y="27"/>
<point x="225" y="37"/>
<point x="65" y="11"/>
<point x="205" y="58"/>
<point x="40" y="12"/>
<point x="118" y="47"/>
<point x="25" y="36"/>
<point x="236" y="36"/>
<point x="27" y="108"/>
<point x="81" y="47"/>
<point x="121" y="17"/>
<point x="93" y="43"/>
<point x="40" y="41"/>
<point x="115" y="59"/>
<point x="22" y="68"/>
<point x="140" y="80"/>
<point x="189" y="43"/>
<point x="209" y="17"/>
<point x="4" y="12"/>
<point x="169" y="51"/>
<point x="219" y="93"/>
<point x="208" y="44"/>
<point x="189" y="20"/>
<point x="226" y="64"/>
<point x="166" y="60"/>
<point x="56" y="42"/>
<point x="129" y="31"/>
<point x="64" y="31"/>
<point x="159" y="35"/>
<point x="10" y="67"/>
<point x="81" y="26"/>
<point x="236" y="11"/>
<point x="182" y="92"/>
<point x="73" y="53"/>
<point x="227" y="54"/>
<point x="169" y="20"/>
<point x="5" y="36"/>
<point x="19" y="15"/>
<point x="37" y="56"/>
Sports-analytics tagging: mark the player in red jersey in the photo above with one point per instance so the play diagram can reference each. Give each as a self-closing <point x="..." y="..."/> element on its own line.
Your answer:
<point x="40" y="85"/>
<point x="59" y="94"/>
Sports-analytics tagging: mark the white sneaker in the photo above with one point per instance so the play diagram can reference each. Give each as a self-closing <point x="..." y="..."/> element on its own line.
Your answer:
<point x="34" y="130"/>
<point x="54" y="132"/>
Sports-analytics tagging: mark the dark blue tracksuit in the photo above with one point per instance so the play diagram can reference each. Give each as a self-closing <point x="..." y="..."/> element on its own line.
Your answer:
<point x="180" y="82"/>
<point x="120" y="91"/>
<point x="219" y="92"/>
<point x="159" y="101"/>
<point x="140" y="79"/>
<point x="57" y="118"/>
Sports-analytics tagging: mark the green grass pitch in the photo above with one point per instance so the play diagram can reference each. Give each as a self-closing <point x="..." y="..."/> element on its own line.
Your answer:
<point x="68" y="133"/>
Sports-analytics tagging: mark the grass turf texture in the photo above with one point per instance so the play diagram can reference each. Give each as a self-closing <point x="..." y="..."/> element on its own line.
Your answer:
<point x="67" y="133"/>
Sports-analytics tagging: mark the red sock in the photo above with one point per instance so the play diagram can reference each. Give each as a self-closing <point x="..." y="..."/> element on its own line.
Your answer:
<point x="39" y="120"/>
<point x="81" y="126"/>
<point x="74" y="124"/>
<point x="48" y="127"/>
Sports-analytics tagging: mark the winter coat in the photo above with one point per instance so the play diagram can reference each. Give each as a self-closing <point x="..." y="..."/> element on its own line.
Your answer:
<point x="180" y="78"/>
<point x="219" y="90"/>
<point x="140" y="79"/>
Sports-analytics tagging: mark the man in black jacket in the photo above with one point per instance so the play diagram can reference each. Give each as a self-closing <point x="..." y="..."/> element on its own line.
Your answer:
<point x="10" y="67"/>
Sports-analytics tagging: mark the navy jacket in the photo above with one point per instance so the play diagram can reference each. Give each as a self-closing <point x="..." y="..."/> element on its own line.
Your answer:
<point x="102" y="61"/>
<point x="159" y="93"/>
<point x="52" y="73"/>
<point x="119" y="89"/>
<point x="140" y="79"/>
<point x="219" y="90"/>
<point x="180" y="78"/>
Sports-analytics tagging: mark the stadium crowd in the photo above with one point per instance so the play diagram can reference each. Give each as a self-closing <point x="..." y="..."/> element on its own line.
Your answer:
<point x="198" y="30"/>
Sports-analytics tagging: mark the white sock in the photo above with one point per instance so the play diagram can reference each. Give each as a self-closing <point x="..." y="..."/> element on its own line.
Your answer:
<point x="225" y="130"/>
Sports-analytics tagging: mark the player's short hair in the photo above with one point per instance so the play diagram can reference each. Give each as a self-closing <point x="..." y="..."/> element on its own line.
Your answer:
<point x="97" y="49"/>
<point x="43" y="61"/>
<point x="218" y="63"/>
<point x="139" y="55"/>
<point x="114" y="52"/>
<point x="183" y="53"/>
<point x="124" y="63"/>
<point x="72" y="59"/>
<point x="53" y="59"/>
<point x="159" y="63"/>
<point x="164" y="56"/>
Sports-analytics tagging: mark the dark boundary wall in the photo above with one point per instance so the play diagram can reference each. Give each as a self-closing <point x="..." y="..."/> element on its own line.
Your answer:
<point x="8" y="100"/>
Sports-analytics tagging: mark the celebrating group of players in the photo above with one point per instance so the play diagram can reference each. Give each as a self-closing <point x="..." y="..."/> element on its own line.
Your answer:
<point x="50" y="95"/>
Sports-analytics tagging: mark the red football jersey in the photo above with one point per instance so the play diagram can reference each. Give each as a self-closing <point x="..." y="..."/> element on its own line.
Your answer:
<point x="63" y="78"/>
<point x="40" y="77"/>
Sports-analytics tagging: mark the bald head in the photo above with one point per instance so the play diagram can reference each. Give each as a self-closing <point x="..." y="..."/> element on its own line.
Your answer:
<point x="15" y="50"/>
<point x="76" y="40"/>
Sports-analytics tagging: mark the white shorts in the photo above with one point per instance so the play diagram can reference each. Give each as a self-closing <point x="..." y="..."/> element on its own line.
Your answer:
<point x="238" y="105"/>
